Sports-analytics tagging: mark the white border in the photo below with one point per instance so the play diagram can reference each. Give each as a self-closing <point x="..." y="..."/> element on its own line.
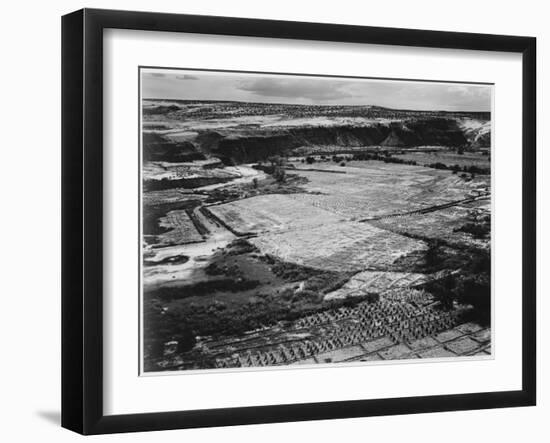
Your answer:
<point x="125" y="392"/>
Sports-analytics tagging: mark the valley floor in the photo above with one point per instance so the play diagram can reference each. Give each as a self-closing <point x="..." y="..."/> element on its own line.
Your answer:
<point x="337" y="263"/>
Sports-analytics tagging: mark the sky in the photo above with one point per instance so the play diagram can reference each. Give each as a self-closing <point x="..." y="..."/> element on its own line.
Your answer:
<point x="265" y="88"/>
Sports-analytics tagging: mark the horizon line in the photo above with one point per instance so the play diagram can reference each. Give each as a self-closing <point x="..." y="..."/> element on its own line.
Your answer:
<point x="313" y="104"/>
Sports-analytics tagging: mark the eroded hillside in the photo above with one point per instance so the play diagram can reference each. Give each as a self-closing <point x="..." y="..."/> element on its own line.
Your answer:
<point x="244" y="133"/>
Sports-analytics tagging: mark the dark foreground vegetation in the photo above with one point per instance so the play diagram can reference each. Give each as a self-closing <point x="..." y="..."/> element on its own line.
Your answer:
<point x="230" y="303"/>
<point x="470" y="284"/>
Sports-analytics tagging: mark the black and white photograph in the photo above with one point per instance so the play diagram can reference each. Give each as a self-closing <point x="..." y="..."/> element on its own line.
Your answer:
<point x="249" y="221"/>
<point x="307" y="220"/>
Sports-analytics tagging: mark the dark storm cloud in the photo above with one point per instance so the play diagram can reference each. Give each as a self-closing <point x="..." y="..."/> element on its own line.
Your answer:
<point x="186" y="77"/>
<point x="311" y="89"/>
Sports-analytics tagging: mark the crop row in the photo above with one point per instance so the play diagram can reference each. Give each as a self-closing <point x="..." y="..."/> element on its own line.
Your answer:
<point x="332" y="330"/>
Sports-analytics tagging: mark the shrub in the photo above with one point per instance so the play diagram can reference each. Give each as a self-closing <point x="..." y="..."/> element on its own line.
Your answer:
<point x="276" y="160"/>
<point x="438" y="165"/>
<point x="478" y="230"/>
<point x="161" y="326"/>
<point x="279" y="174"/>
<point x="470" y="286"/>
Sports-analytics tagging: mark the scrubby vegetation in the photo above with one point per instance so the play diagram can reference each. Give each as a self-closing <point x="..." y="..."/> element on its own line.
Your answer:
<point x="185" y="183"/>
<point x="480" y="229"/>
<point x="387" y="157"/>
<point x="202" y="288"/>
<point x="283" y="292"/>
<point x="470" y="284"/>
<point x="160" y="326"/>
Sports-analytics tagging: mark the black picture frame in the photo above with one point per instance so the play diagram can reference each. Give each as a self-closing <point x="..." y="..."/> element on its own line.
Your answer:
<point x="82" y="218"/>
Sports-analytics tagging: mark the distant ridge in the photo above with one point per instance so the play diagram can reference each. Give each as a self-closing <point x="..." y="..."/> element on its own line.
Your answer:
<point x="299" y="105"/>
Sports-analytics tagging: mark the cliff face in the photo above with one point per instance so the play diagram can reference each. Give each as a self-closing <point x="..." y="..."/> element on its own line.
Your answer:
<point x="434" y="132"/>
<point x="250" y="148"/>
<point x="159" y="148"/>
<point x="259" y="145"/>
<point x="237" y="132"/>
<point x="477" y="132"/>
<point x="245" y="145"/>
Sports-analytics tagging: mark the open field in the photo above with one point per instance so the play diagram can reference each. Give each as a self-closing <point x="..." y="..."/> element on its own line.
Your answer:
<point x="442" y="225"/>
<point x="274" y="212"/>
<point x="373" y="188"/>
<point x="344" y="246"/>
<point x="180" y="229"/>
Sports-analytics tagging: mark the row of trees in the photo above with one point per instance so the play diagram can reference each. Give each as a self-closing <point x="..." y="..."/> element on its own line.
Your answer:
<point x="471" y="169"/>
<point x="277" y="164"/>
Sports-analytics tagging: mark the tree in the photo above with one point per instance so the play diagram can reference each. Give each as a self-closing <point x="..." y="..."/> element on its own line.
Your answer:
<point x="432" y="257"/>
<point x="310" y="159"/>
<point x="279" y="174"/>
<point x="276" y="160"/>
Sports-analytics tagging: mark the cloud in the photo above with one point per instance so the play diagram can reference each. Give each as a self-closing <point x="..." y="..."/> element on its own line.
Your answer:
<point x="187" y="77"/>
<point x="311" y="89"/>
<point x="204" y="85"/>
<point x="469" y="91"/>
<point x="170" y="76"/>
